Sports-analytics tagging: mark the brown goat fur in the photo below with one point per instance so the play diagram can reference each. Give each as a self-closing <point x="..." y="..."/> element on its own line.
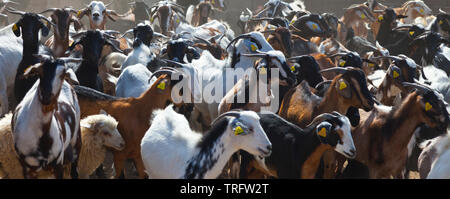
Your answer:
<point x="133" y="115"/>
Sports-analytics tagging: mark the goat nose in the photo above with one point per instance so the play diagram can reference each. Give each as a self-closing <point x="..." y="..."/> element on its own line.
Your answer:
<point x="353" y="151"/>
<point x="269" y="148"/>
<point x="96" y="15"/>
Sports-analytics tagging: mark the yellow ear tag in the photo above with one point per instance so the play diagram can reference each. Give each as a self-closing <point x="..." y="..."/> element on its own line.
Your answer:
<point x="372" y="65"/>
<point x="342" y="86"/>
<point x="254" y="48"/>
<point x="363" y="16"/>
<point x="151" y="19"/>
<point x="428" y="106"/>
<point x="342" y="63"/>
<point x="396" y="74"/>
<point x="263" y="71"/>
<point x="178" y="20"/>
<point x="411" y="33"/>
<point x="15" y="28"/>
<point x="79" y="13"/>
<point x="162" y="86"/>
<point x="292" y="22"/>
<point x="323" y="133"/>
<point x="441" y="22"/>
<point x="238" y="130"/>
<point x="381" y="18"/>
<point x="293" y="68"/>
<point x="421" y="10"/>
<point x="314" y="26"/>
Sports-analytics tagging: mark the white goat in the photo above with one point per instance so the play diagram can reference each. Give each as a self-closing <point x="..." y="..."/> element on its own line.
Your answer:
<point x="46" y="124"/>
<point x="170" y="149"/>
<point x="10" y="57"/>
<point x="435" y="158"/>
<point x="134" y="81"/>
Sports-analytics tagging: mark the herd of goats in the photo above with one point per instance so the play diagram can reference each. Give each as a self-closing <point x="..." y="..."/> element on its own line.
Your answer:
<point x="361" y="96"/>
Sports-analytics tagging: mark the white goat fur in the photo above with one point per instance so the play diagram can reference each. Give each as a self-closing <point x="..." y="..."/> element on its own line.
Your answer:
<point x="10" y="57"/>
<point x="134" y="81"/>
<point x="92" y="151"/>
<point x="170" y="144"/>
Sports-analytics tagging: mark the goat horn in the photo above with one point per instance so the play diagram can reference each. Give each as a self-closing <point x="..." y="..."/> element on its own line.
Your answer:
<point x="337" y="55"/>
<point x="127" y="32"/>
<point x="241" y="37"/>
<point x="404" y="26"/>
<point x="262" y="11"/>
<point x="45" y="19"/>
<point x="228" y="114"/>
<point x="395" y="58"/>
<point x="160" y="35"/>
<point x="204" y="41"/>
<point x="262" y="19"/>
<point x="322" y="117"/>
<point x="296" y="58"/>
<point x="49" y="10"/>
<point x="417" y="86"/>
<point x="260" y="55"/>
<point x="174" y="63"/>
<point x="42" y="57"/>
<point x="268" y="31"/>
<point x="335" y="69"/>
<point x="14" y="11"/>
<point x="323" y="83"/>
<point x="161" y="72"/>
<point x="441" y="11"/>
<point x="80" y="34"/>
<point x="109" y="3"/>
<point x="8" y="1"/>
<point x="67" y="60"/>
<point x="378" y="11"/>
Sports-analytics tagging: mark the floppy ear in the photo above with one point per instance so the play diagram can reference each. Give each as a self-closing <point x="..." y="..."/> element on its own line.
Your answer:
<point x="395" y="72"/>
<point x="82" y="12"/>
<point x="32" y="71"/>
<point x="193" y="54"/>
<point x="71" y="77"/>
<point x="16" y="29"/>
<point x="76" y="23"/>
<point x="74" y="44"/>
<point x="44" y="30"/>
<point x="238" y="127"/>
<point x="323" y="131"/>
<point x="343" y="88"/>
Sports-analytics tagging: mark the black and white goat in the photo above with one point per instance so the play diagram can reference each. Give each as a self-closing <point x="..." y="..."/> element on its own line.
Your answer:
<point x="46" y="124"/>
<point x="170" y="149"/>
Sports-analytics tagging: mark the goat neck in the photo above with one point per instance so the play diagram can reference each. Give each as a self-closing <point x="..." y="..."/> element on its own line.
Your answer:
<point x="331" y="102"/>
<point x="212" y="158"/>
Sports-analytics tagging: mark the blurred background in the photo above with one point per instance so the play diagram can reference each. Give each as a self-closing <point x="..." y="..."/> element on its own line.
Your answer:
<point x="235" y="7"/>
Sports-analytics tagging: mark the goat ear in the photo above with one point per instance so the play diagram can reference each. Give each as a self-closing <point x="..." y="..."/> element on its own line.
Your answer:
<point x="395" y="72"/>
<point x="238" y="127"/>
<point x="343" y="88"/>
<point x="323" y="131"/>
<point x="82" y="12"/>
<point x="114" y="46"/>
<point x="71" y="77"/>
<point x="44" y="30"/>
<point x="76" y="23"/>
<point x="16" y="29"/>
<point x="32" y="71"/>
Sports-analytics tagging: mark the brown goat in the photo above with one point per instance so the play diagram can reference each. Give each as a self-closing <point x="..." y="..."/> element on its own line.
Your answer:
<point x="355" y="17"/>
<point x="59" y="42"/>
<point x="382" y="136"/>
<point x="133" y="115"/>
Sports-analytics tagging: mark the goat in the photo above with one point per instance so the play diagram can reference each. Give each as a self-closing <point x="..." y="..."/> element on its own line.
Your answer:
<point x="46" y="124"/>
<point x="140" y="11"/>
<point x="213" y="46"/>
<point x="93" y="43"/>
<point x="59" y="43"/>
<point x="356" y="17"/>
<point x="311" y="25"/>
<point x="297" y="152"/>
<point x="413" y="9"/>
<point x="169" y="15"/>
<point x="28" y="28"/>
<point x="177" y="50"/>
<point x="274" y="8"/>
<point x="441" y="24"/>
<point x="133" y="81"/>
<point x="434" y="158"/>
<point x="199" y="156"/>
<point x="383" y="131"/>
<point x="98" y="14"/>
<point x="11" y="52"/>
<point x="396" y="42"/>
<point x="132" y="114"/>
<point x="431" y="48"/>
<point x="200" y="14"/>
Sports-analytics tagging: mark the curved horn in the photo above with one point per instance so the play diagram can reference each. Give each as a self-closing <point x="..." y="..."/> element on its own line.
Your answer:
<point x="80" y="34"/>
<point x="228" y="114"/>
<point x="42" y="57"/>
<point x="260" y="55"/>
<point x="335" y="69"/>
<point x="419" y="87"/>
<point x="109" y="3"/>
<point x="403" y="26"/>
<point x="127" y="32"/>
<point x="395" y="58"/>
<point x="337" y="55"/>
<point x="262" y="19"/>
<point x="323" y="83"/>
<point x="68" y="60"/>
<point x="441" y="11"/>
<point x="378" y="11"/>
<point x="247" y="36"/>
<point x="179" y="65"/>
<point x="14" y="11"/>
<point x="161" y="72"/>
<point x="296" y="58"/>
<point x="45" y="19"/>
<point x="49" y="10"/>
<point x="204" y="41"/>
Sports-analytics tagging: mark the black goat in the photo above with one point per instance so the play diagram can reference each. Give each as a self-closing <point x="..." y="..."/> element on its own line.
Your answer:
<point x="395" y="41"/>
<point x="176" y="50"/>
<point x="28" y="27"/>
<point x="93" y="43"/>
